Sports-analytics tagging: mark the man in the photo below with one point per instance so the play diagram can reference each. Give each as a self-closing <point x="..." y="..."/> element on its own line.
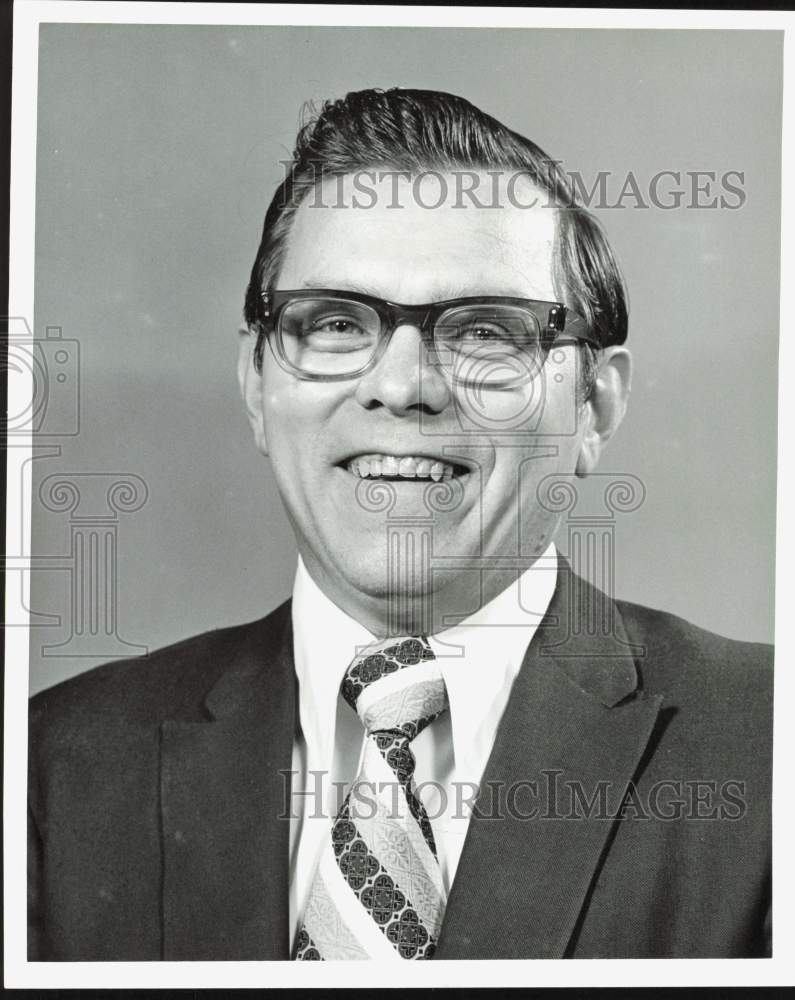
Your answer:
<point x="433" y="340"/>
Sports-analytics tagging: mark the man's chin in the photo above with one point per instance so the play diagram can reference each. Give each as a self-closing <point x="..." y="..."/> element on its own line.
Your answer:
<point x="383" y="583"/>
<point x="373" y="592"/>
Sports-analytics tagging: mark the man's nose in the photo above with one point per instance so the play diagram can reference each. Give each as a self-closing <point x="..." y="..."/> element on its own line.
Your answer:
<point x="405" y="379"/>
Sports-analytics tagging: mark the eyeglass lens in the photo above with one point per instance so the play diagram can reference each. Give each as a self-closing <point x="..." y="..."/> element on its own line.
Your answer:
<point x="486" y="343"/>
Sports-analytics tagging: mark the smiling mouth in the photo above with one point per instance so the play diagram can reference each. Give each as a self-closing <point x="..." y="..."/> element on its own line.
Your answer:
<point x="402" y="467"/>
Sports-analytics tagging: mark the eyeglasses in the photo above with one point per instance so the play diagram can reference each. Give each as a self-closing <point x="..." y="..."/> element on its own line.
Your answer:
<point x="327" y="336"/>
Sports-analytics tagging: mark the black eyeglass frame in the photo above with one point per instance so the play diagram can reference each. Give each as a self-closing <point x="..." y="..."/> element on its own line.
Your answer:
<point x="553" y="319"/>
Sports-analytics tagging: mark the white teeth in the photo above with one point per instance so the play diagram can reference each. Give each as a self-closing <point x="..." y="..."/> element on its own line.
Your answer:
<point x="406" y="467"/>
<point x="389" y="466"/>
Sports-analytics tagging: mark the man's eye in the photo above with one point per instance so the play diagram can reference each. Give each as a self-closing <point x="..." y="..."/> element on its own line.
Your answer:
<point x="485" y="332"/>
<point x="334" y="334"/>
<point x="336" y="326"/>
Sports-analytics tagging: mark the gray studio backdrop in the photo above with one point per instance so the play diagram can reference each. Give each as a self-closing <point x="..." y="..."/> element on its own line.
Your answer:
<point x="158" y="151"/>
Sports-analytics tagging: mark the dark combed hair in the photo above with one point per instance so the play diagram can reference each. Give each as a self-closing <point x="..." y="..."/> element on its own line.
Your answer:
<point x="423" y="130"/>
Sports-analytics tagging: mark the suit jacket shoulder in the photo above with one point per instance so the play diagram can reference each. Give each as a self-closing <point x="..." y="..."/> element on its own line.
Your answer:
<point x="123" y="753"/>
<point x="168" y="683"/>
<point x="701" y="671"/>
<point x="663" y="731"/>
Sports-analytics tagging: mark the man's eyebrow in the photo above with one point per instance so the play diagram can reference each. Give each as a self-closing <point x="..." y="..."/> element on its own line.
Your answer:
<point x="442" y="293"/>
<point x="345" y="286"/>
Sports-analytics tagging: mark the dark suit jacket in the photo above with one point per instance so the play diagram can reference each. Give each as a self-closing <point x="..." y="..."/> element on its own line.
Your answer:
<point x="156" y="796"/>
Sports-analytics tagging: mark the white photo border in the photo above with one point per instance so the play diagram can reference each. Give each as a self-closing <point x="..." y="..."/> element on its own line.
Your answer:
<point x="779" y="970"/>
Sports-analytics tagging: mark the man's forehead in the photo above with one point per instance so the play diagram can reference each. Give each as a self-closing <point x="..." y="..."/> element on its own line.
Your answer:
<point x="422" y="232"/>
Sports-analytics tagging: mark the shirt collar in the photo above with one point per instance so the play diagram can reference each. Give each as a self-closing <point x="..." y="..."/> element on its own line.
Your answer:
<point x="479" y="658"/>
<point x="325" y="640"/>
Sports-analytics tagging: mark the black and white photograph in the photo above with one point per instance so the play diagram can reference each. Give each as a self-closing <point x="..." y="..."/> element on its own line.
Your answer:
<point x="392" y="458"/>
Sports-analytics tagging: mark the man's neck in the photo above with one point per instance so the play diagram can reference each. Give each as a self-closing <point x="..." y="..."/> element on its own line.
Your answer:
<point x="428" y="612"/>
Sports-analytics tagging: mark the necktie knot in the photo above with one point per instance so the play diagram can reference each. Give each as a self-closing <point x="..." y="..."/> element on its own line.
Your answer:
<point x="396" y="686"/>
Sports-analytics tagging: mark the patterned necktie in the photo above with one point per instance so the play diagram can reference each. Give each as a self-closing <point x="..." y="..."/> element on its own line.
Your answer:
<point x="377" y="892"/>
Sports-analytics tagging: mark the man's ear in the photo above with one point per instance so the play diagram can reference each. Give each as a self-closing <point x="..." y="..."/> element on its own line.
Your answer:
<point x="605" y="409"/>
<point x="250" y="381"/>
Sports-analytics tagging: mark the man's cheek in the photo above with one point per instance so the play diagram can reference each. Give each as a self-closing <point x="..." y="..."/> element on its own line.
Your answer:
<point x="284" y="422"/>
<point x="279" y="402"/>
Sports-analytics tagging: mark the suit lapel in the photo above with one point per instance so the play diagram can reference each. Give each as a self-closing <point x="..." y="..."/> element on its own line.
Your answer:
<point x="575" y="718"/>
<point x="225" y="805"/>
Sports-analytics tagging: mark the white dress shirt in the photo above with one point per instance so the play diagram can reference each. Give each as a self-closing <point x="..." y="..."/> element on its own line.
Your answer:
<point x="479" y="659"/>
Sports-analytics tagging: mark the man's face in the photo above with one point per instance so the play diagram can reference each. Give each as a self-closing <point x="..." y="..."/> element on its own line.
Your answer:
<point x="323" y="436"/>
